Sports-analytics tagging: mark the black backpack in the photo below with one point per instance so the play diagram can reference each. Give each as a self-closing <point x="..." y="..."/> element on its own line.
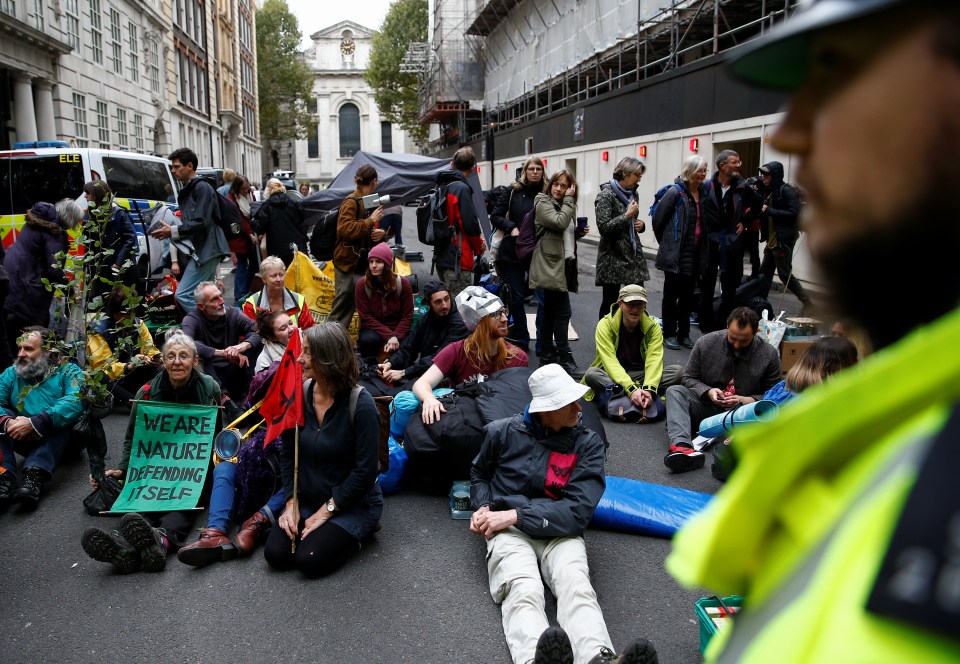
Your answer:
<point x="228" y="217"/>
<point x="323" y="241"/>
<point x="433" y="220"/>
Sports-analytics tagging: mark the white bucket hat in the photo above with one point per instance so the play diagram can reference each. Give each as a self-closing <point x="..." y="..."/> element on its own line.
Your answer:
<point x="552" y="388"/>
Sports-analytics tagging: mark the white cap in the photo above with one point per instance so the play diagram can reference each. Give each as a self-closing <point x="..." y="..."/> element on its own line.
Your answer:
<point x="552" y="388"/>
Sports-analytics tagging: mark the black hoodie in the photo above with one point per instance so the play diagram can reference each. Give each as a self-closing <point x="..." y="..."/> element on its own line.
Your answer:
<point x="783" y="207"/>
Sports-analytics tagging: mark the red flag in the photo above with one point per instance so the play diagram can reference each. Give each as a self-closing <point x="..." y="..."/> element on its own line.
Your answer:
<point x="283" y="406"/>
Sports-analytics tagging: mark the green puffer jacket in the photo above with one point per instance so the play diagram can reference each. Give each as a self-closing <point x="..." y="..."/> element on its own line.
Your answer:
<point x="553" y="221"/>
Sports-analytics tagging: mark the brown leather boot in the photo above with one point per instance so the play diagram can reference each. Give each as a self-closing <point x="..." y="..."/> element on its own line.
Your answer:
<point x="212" y="547"/>
<point x="251" y="532"/>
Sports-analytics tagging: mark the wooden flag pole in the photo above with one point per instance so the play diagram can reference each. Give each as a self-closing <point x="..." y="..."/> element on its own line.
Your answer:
<point x="296" y="473"/>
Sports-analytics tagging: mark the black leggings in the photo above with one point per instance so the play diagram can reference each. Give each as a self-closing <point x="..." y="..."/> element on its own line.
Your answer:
<point x="321" y="553"/>
<point x="611" y="293"/>
<point x="555" y="324"/>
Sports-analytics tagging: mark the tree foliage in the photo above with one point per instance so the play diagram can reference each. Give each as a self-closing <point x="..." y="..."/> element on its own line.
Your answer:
<point x="284" y="81"/>
<point x="394" y="92"/>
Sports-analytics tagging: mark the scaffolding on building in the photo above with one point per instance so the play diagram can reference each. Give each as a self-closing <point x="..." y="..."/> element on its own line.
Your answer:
<point x="677" y="35"/>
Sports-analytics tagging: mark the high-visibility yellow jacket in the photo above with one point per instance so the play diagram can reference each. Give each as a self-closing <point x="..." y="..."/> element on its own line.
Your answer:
<point x="99" y="352"/>
<point x="806" y="519"/>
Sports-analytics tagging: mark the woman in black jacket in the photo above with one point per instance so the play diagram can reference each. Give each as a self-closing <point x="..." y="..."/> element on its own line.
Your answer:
<point x="338" y="500"/>
<point x="116" y="234"/>
<point x="507" y="215"/>
<point x="680" y="228"/>
<point x="281" y="220"/>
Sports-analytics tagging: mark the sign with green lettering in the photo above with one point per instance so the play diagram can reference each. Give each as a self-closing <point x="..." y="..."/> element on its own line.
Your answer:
<point x="172" y="444"/>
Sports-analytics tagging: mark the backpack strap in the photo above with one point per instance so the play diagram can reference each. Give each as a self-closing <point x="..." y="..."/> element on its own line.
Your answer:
<point x="354" y="396"/>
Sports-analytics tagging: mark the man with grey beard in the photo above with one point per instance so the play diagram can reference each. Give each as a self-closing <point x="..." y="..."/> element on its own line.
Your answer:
<point x="226" y="340"/>
<point x="39" y="396"/>
<point x="841" y="521"/>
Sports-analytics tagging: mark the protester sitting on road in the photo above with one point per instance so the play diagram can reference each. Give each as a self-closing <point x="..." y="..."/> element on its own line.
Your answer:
<point x="385" y="305"/>
<point x="483" y="353"/>
<point x="680" y="227"/>
<point x="534" y="487"/>
<point x="274" y="296"/>
<point x="32" y="258"/>
<point x="356" y="234"/>
<point x="556" y="228"/>
<point x="141" y="542"/>
<point x="620" y="259"/>
<point x="630" y="351"/>
<point x="39" y="396"/>
<point x="275" y="328"/>
<point x="338" y="501"/>
<point x="726" y="368"/>
<point x="825" y="357"/>
<point x="225" y="340"/>
<point x="437" y="329"/>
<point x="508" y="214"/>
<point x="114" y="234"/>
<point x="242" y="247"/>
<point x="122" y="346"/>
<point x="280" y="219"/>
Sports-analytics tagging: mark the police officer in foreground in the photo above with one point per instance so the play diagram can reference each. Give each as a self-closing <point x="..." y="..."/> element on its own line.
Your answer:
<point x="841" y="523"/>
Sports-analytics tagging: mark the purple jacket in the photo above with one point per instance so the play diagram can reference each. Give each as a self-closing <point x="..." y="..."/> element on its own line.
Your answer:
<point x="30" y="259"/>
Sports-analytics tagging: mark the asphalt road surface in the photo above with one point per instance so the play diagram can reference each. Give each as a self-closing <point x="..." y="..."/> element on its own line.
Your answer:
<point x="417" y="592"/>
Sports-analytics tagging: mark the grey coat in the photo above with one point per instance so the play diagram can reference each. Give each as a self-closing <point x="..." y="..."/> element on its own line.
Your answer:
<point x="617" y="260"/>
<point x="553" y="221"/>
<point x="712" y="363"/>
<point x="199" y="213"/>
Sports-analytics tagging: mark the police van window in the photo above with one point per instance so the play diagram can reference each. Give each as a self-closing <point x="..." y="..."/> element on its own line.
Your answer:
<point x="138" y="178"/>
<point x="25" y="180"/>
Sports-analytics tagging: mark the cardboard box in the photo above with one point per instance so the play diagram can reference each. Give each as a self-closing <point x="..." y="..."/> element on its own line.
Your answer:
<point x="790" y="352"/>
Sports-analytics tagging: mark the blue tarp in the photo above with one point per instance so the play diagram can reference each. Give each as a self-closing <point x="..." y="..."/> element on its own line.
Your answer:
<point x="632" y="506"/>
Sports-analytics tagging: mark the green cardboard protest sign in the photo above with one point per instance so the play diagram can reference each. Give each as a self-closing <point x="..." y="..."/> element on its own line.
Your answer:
<point x="171" y="449"/>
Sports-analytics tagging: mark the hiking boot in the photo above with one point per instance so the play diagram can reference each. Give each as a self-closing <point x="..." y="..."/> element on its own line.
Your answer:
<point x="109" y="548"/>
<point x="568" y="364"/>
<point x="147" y="540"/>
<point x="30" y="486"/>
<point x="213" y="546"/>
<point x="553" y="647"/>
<point x="8" y="485"/>
<point x="686" y="342"/>
<point x="605" y="655"/>
<point x="640" y="651"/>
<point x="671" y="343"/>
<point x="251" y="532"/>
<point x="683" y="458"/>
<point x="548" y="356"/>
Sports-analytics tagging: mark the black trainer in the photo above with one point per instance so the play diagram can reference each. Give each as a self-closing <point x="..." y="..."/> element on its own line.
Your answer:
<point x="146" y="540"/>
<point x="30" y="487"/>
<point x="107" y="548"/>
<point x="553" y="647"/>
<point x="640" y="651"/>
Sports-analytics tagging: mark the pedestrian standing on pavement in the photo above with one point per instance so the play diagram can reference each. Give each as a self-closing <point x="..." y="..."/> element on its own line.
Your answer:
<point x="356" y="234"/>
<point x="680" y="228"/>
<point x="780" y="229"/>
<point x="555" y="222"/>
<point x="454" y="259"/>
<point x="280" y="219"/>
<point x="199" y="212"/>
<point x="620" y="259"/>
<point x="242" y="247"/>
<point x="142" y="542"/>
<point x="534" y="487"/>
<point x="507" y="215"/>
<point x="338" y="501"/>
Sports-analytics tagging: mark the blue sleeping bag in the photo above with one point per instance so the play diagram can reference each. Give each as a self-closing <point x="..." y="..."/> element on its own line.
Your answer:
<point x="632" y="506"/>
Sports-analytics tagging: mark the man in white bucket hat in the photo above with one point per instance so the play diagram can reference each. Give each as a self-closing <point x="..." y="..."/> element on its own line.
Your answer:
<point x="535" y="485"/>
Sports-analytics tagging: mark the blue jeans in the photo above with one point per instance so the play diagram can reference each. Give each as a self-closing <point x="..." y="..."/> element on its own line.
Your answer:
<point x="222" y="495"/>
<point x="191" y="277"/>
<point x="243" y="277"/>
<point x="394" y="221"/>
<point x="43" y="454"/>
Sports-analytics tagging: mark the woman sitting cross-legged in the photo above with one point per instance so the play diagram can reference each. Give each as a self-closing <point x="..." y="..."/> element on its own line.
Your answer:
<point x="338" y="500"/>
<point x="384" y="304"/>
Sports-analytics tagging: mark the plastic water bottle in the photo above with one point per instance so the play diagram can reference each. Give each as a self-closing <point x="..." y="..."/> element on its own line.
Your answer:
<point x="460" y="500"/>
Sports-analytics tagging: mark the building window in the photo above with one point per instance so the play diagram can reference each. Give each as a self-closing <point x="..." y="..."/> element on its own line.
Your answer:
<point x="116" y="51"/>
<point x="38" y="18"/>
<point x="154" y="65"/>
<point x="72" y="11"/>
<point x="133" y="44"/>
<point x="138" y="132"/>
<point x="249" y="121"/>
<point x="80" y="119"/>
<point x="386" y="137"/>
<point x="349" y="130"/>
<point x="96" y="32"/>
<point x="123" y="135"/>
<point x="313" y="144"/>
<point x="103" y="125"/>
<point x="8" y="7"/>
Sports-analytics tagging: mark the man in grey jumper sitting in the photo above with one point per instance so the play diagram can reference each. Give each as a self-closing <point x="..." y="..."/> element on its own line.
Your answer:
<point x="726" y="369"/>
